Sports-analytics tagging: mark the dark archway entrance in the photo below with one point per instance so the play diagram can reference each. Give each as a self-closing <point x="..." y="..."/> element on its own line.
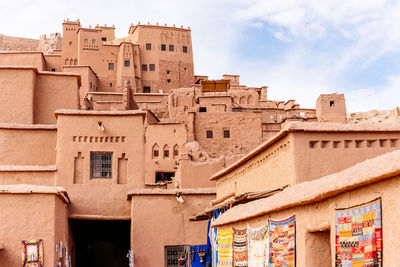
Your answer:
<point x="100" y="243"/>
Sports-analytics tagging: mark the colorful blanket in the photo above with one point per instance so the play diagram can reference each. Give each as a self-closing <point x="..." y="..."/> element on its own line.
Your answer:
<point x="282" y="242"/>
<point x="258" y="246"/>
<point x="225" y="251"/>
<point x="359" y="235"/>
<point x="239" y="247"/>
<point x="32" y="253"/>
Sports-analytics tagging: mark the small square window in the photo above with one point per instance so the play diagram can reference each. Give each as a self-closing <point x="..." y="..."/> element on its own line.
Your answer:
<point x="152" y="67"/>
<point x="53" y="70"/>
<point x="101" y="165"/>
<point x="104" y="39"/>
<point x="169" y="80"/>
<point x="184" y="49"/>
<point x="171" y="48"/>
<point x="111" y="66"/>
<point x="203" y="109"/>
<point x="227" y="134"/>
<point x="148" y="46"/>
<point x="144" y="67"/>
<point x="163" y="47"/>
<point x="127" y="63"/>
<point x="146" y="89"/>
<point x="209" y="134"/>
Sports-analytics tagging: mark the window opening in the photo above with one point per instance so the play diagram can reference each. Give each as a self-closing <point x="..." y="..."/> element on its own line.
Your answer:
<point x="110" y="84"/>
<point x="144" y="67"/>
<point x="100" y="164"/>
<point x="111" y="66"/>
<point x="169" y="80"/>
<point x="127" y="63"/>
<point x="164" y="176"/>
<point x="146" y="89"/>
<point x="148" y="46"/>
<point x="202" y="109"/>
<point x="209" y="133"/>
<point x="53" y="70"/>
<point x="163" y="47"/>
<point x="104" y="39"/>
<point x="184" y="49"/>
<point x="171" y="48"/>
<point x="331" y="103"/>
<point x="152" y="67"/>
<point x="227" y="134"/>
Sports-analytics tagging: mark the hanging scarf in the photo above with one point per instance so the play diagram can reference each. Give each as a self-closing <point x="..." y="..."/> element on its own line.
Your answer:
<point x="257" y="240"/>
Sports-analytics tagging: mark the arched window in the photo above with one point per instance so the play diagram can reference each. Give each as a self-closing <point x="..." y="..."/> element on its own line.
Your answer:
<point x="71" y="62"/>
<point x="250" y="100"/>
<point x="166" y="151"/>
<point x="176" y="151"/>
<point x="75" y="62"/>
<point x="66" y="61"/>
<point x="155" y="151"/>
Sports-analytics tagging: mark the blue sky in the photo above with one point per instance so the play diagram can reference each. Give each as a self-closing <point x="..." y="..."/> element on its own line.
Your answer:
<point x="299" y="49"/>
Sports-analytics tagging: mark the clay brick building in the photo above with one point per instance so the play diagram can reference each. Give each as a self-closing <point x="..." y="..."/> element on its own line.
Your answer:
<point x="111" y="143"/>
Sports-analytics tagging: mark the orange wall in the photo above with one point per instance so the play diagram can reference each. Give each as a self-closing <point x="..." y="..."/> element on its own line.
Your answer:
<point x="17" y="89"/>
<point x="77" y="137"/>
<point x="27" y="146"/>
<point x="54" y="92"/>
<point x="313" y="163"/>
<point x="30" y="216"/>
<point x="159" y="221"/>
<point x="33" y="59"/>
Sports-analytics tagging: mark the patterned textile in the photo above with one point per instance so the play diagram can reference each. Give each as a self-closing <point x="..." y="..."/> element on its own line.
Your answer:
<point x="239" y="247"/>
<point x="282" y="242"/>
<point x="359" y="235"/>
<point x="258" y="246"/>
<point x="32" y="253"/>
<point x="225" y="251"/>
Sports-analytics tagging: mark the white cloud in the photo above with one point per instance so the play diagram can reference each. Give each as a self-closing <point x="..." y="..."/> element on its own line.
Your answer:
<point x="359" y="33"/>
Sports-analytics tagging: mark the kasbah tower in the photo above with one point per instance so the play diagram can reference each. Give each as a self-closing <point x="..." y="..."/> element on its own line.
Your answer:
<point x="111" y="147"/>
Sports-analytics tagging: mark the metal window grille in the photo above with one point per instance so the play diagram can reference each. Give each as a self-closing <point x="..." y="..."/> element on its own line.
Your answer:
<point x="152" y="67"/>
<point x="184" y="49"/>
<point x="110" y="66"/>
<point x="171" y="48"/>
<point x="101" y="165"/>
<point x="209" y="134"/>
<point x="163" y="47"/>
<point x="127" y="63"/>
<point x="172" y="254"/>
<point x="148" y="46"/>
<point x="144" y="67"/>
